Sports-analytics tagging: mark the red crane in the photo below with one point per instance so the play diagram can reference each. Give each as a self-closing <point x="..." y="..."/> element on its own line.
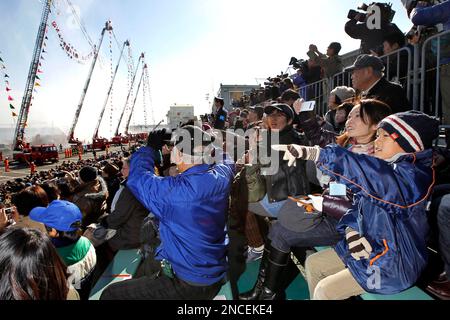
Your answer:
<point x="19" y="135"/>
<point x="108" y="27"/>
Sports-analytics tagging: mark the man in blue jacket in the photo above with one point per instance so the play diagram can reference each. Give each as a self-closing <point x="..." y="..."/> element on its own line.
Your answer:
<point x="384" y="250"/>
<point x="191" y="208"/>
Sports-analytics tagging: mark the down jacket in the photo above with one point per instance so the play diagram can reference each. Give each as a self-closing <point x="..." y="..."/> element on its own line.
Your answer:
<point x="388" y="210"/>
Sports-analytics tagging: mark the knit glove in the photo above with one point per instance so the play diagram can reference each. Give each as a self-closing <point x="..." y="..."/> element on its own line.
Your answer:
<point x="293" y="152"/>
<point x="358" y="246"/>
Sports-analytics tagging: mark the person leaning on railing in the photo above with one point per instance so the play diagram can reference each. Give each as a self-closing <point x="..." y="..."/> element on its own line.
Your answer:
<point x="425" y="15"/>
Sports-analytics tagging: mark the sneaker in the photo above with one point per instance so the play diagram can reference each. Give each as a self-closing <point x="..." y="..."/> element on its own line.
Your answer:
<point x="253" y="254"/>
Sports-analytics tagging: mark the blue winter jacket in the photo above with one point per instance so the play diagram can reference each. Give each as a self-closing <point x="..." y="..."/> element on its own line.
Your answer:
<point x="430" y="16"/>
<point x="388" y="210"/>
<point x="192" y="210"/>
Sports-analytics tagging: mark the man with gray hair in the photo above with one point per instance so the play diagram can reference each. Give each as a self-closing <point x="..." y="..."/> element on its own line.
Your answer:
<point x="368" y="79"/>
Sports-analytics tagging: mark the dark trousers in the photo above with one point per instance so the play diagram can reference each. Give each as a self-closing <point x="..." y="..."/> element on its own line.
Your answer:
<point x="323" y="234"/>
<point x="159" y="287"/>
<point x="441" y="201"/>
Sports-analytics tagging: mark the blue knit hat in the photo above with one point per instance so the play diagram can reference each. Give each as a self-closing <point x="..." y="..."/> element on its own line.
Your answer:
<point x="414" y="131"/>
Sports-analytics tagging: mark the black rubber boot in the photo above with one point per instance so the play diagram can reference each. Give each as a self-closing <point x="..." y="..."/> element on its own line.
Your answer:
<point x="256" y="291"/>
<point x="273" y="282"/>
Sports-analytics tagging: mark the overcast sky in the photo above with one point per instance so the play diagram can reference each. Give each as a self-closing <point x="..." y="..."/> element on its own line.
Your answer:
<point x="191" y="47"/>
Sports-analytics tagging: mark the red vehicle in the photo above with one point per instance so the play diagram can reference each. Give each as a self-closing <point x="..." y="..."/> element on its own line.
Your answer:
<point x="37" y="154"/>
<point x="99" y="143"/>
<point x="136" y="137"/>
<point x="119" y="140"/>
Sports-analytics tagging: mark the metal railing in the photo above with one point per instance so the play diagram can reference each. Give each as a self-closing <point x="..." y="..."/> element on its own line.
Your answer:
<point x="431" y="66"/>
<point x="410" y="66"/>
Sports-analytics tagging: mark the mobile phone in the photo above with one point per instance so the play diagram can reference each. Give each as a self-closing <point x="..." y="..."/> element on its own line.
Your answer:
<point x="8" y="212"/>
<point x="308" y="106"/>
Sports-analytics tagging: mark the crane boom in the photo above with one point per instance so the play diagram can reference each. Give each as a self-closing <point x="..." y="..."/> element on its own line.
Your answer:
<point x="26" y="100"/>
<point x="135" y="98"/>
<point x="126" y="43"/>
<point x="108" y="27"/>
<point x="129" y="94"/>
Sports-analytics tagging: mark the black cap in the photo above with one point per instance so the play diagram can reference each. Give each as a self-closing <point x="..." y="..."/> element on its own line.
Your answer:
<point x="191" y="133"/>
<point x="287" y="110"/>
<point x="365" y="61"/>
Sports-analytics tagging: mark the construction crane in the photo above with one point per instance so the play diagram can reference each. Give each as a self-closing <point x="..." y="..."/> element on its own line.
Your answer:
<point x="141" y="58"/>
<point x="126" y="43"/>
<point x="19" y="134"/>
<point x="135" y="98"/>
<point x="108" y="27"/>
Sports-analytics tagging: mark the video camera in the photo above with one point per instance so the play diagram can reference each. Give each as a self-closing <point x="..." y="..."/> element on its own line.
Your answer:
<point x="387" y="14"/>
<point x="298" y="64"/>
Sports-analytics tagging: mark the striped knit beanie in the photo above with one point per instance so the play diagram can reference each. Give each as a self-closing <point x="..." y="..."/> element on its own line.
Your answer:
<point x="414" y="131"/>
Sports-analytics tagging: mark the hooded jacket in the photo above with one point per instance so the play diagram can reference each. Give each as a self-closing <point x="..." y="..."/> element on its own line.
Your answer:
<point x="388" y="210"/>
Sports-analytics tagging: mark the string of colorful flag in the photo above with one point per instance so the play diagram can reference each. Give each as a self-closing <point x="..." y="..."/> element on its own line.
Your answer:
<point x="6" y="79"/>
<point x="112" y="77"/>
<point x="69" y="49"/>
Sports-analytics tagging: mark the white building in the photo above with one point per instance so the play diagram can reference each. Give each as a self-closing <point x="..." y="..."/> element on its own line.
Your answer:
<point x="180" y="114"/>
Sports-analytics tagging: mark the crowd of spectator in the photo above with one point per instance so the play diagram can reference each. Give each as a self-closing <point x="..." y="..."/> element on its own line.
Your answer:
<point x="364" y="178"/>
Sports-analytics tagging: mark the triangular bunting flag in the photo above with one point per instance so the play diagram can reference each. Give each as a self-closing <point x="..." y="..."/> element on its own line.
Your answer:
<point x="45" y="44"/>
<point x="6" y="76"/>
<point x="40" y="64"/>
<point x="8" y="89"/>
<point x="14" y="114"/>
<point x="43" y="51"/>
<point x="1" y="60"/>
<point x="3" y="66"/>
<point x="11" y="107"/>
<point x="37" y="84"/>
<point x="46" y="38"/>
<point x="7" y="82"/>
<point x="37" y="77"/>
<point x="10" y="98"/>
<point x="42" y="58"/>
<point x="39" y="71"/>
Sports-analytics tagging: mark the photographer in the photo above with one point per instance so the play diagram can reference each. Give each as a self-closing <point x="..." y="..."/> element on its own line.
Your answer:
<point x="359" y="26"/>
<point x="331" y="62"/>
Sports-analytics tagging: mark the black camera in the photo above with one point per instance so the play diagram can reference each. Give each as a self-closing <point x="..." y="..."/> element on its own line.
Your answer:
<point x="387" y="14"/>
<point x="356" y="15"/>
<point x="298" y="64"/>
